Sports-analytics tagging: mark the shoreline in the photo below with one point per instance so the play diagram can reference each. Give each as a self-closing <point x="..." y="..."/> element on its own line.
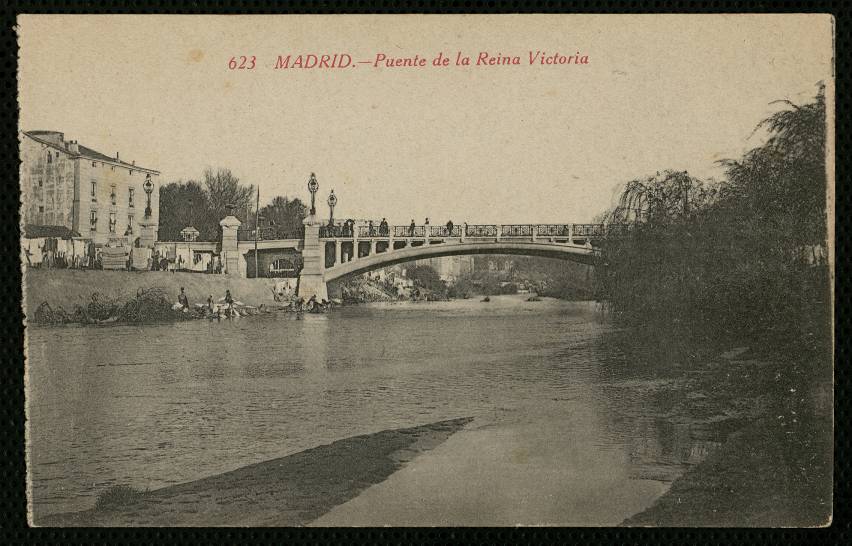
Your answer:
<point x="771" y="472"/>
<point x="288" y="491"/>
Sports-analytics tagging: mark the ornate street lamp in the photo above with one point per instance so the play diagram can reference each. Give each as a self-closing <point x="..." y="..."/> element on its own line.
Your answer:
<point x="332" y="201"/>
<point x="148" y="186"/>
<point x="313" y="186"/>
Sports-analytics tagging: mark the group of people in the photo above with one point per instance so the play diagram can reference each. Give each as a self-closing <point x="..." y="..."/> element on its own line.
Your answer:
<point x="347" y="228"/>
<point x="211" y="309"/>
<point x="383" y="228"/>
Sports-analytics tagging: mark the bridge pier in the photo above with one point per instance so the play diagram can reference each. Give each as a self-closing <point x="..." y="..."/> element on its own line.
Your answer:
<point x="230" y="247"/>
<point x="311" y="279"/>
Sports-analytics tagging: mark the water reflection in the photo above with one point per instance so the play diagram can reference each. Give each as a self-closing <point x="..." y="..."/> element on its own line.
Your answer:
<point x="157" y="405"/>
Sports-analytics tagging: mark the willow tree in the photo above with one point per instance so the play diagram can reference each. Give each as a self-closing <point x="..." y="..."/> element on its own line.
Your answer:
<point x="727" y="258"/>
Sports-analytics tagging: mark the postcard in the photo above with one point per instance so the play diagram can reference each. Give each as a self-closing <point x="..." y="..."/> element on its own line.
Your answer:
<point x="428" y="270"/>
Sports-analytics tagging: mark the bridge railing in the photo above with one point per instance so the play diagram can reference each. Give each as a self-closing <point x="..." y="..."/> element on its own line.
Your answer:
<point x="589" y="230"/>
<point x="617" y="230"/>
<point x="337" y="230"/>
<point x="269" y="233"/>
<point x="516" y="230"/>
<point x="366" y="232"/>
<point x="481" y="230"/>
<point x="409" y="231"/>
<point x="442" y="231"/>
<point x="553" y="230"/>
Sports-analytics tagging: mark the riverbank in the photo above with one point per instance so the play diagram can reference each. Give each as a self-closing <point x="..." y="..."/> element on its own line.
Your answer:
<point x="69" y="287"/>
<point x="288" y="491"/>
<point x="776" y="470"/>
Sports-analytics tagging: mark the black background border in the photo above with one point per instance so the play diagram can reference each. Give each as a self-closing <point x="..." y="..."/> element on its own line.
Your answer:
<point x="13" y="524"/>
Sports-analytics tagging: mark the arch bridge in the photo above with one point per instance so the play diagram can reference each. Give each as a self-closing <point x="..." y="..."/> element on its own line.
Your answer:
<point x="330" y="252"/>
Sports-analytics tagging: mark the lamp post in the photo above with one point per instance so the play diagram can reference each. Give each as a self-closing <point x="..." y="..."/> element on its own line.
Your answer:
<point x="313" y="186"/>
<point x="148" y="186"/>
<point x="332" y="201"/>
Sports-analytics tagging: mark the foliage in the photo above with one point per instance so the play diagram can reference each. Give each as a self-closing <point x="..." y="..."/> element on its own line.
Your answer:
<point x="225" y="194"/>
<point x="425" y="276"/>
<point x="730" y="259"/>
<point x="203" y="204"/>
<point x="284" y="215"/>
<point x="184" y="204"/>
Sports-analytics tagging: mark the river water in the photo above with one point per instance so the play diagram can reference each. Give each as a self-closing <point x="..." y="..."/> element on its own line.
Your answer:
<point x="569" y="425"/>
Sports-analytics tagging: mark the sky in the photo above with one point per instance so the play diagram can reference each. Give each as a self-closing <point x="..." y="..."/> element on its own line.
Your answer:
<point x="478" y="144"/>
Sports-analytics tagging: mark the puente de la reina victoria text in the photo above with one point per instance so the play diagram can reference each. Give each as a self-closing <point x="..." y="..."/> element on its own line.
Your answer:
<point x="383" y="60"/>
<point x="427" y="271"/>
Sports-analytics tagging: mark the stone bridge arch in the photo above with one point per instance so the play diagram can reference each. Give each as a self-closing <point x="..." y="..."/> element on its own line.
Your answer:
<point x="581" y="254"/>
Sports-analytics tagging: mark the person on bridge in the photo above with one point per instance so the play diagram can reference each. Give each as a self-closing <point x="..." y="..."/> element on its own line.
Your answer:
<point x="383" y="228"/>
<point x="371" y="230"/>
<point x="449" y="228"/>
<point x="411" y="228"/>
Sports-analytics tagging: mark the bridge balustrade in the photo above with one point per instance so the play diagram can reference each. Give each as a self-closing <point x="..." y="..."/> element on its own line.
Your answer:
<point x="375" y="230"/>
<point x="481" y="231"/>
<point x="338" y="230"/>
<point x="589" y="230"/>
<point x="269" y="233"/>
<point x="442" y="231"/>
<point x="516" y="230"/>
<point x="409" y="231"/>
<point x="553" y="230"/>
<point x="617" y="230"/>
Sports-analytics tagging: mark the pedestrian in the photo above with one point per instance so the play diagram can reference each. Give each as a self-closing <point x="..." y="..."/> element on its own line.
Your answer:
<point x="449" y="228"/>
<point x="411" y="228"/>
<point x="229" y="301"/>
<point x="370" y="228"/>
<point x="183" y="300"/>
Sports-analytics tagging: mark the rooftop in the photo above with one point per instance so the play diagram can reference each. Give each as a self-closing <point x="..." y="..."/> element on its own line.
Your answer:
<point x="56" y="139"/>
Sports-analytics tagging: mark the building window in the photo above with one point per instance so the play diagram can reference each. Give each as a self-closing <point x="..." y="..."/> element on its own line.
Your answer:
<point x="94" y="163"/>
<point x="130" y="171"/>
<point x="130" y="224"/>
<point x="112" y="194"/>
<point x="93" y="220"/>
<point x="40" y="182"/>
<point x="112" y="222"/>
<point x="41" y="209"/>
<point x="130" y="193"/>
<point x="94" y="191"/>
<point x="49" y="157"/>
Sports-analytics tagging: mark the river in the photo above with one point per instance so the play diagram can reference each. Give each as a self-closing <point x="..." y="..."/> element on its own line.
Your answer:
<point x="568" y="426"/>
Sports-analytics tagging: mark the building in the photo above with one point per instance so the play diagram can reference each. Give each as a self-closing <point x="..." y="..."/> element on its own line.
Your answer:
<point x="449" y="268"/>
<point x="94" y="195"/>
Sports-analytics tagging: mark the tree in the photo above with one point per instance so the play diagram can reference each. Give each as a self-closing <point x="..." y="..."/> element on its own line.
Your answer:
<point x="183" y="204"/>
<point x="425" y="276"/>
<point x="728" y="258"/>
<point x="285" y="216"/>
<point x="224" y="190"/>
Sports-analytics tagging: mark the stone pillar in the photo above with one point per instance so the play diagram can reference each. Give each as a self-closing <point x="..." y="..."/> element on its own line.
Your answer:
<point x="570" y="234"/>
<point x="338" y="257"/>
<point x="372" y="247"/>
<point x="147" y="233"/>
<point x="534" y="228"/>
<point x="355" y="228"/>
<point x="230" y="250"/>
<point x="311" y="279"/>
